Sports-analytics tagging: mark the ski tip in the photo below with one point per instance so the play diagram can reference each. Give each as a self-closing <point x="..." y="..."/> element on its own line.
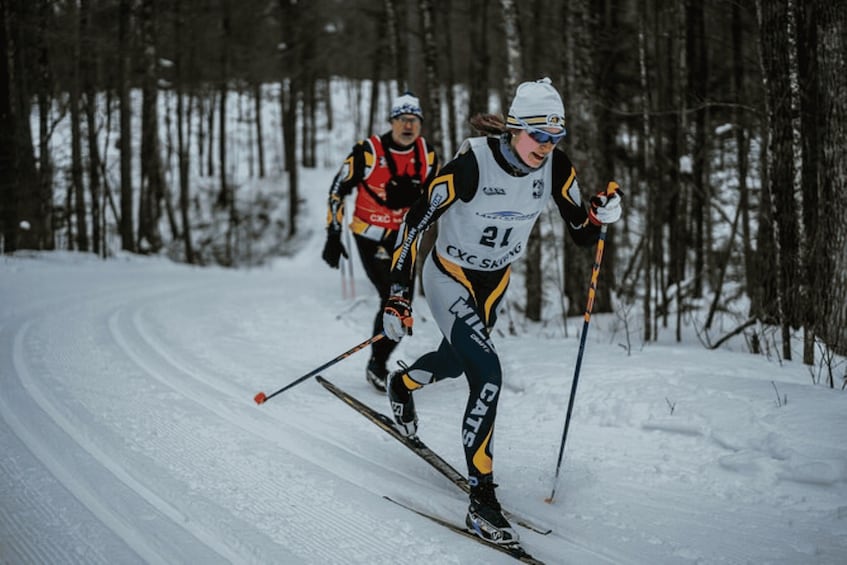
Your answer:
<point x="260" y="398"/>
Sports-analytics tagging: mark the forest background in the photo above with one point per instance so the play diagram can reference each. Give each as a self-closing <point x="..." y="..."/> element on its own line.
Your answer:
<point x="725" y="122"/>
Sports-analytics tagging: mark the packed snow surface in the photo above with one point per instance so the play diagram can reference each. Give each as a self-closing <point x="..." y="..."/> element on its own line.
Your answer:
<point x="129" y="432"/>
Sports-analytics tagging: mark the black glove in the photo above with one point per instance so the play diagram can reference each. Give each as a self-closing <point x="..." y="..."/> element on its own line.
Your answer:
<point x="333" y="249"/>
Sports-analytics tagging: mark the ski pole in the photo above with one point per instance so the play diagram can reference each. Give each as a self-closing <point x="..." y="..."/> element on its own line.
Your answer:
<point x="261" y="397"/>
<point x="349" y="266"/>
<point x="592" y="289"/>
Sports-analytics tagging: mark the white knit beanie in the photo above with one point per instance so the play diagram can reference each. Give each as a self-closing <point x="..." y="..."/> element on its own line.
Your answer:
<point x="408" y="103"/>
<point x="536" y="104"/>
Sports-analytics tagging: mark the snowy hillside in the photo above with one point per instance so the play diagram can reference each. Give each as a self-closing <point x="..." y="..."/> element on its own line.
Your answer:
<point x="128" y="432"/>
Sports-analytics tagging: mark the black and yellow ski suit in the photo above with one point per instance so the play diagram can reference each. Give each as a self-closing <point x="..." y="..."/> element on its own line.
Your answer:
<point x="485" y="209"/>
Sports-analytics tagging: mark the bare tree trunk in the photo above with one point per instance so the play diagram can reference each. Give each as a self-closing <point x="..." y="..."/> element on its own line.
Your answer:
<point x="326" y="98"/>
<point x="8" y="154"/>
<point x="514" y="75"/>
<point x="480" y="60"/>
<point x="289" y="127"/>
<point x="291" y="16"/>
<point x="150" y="209"/>
<point x="124" y="29"/>
<point x="742" y="144"/>
<point x="76" y="140"/>
<point x="257" y="118"/>
<point x="392" y="38"/>
<point x="225" y="196"/>
<point x="44" y="228"/>
<point x="831" y="267"/>
<point x="210" y="133"/>
<point x="697" y="80"/>
<point x="184" y="158"/>
<point x="775" y="46"/>
<point x="452" y="135"/>
<point x="583" y="146"/>
<point x="680" y="175"/>
<point x="810" y="126"/>
<point x="88" y="63"/>
<point x="433" y="84"/>
<point x="308" y="121"/>
<point x="658" y="186"/>
<point x="514" y="51"/>
<point x="375" y="75"/>
<point x="21" y="19"/>
<point x="645" y="154"/>
<point x="183" y="124"/>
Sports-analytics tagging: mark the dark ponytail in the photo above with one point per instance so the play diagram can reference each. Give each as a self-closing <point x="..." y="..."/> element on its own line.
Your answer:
<point x="488" y="124"/>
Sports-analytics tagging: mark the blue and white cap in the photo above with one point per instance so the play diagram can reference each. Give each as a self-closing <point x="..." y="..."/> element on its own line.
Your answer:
<point x="408" y="103"/>
<point x="536" y="104"/>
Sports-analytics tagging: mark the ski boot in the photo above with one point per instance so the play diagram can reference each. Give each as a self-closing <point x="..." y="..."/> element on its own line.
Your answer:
<point x="402" y="404"/>
<point x="485" y="517"/>
<point x="376" y="374"/>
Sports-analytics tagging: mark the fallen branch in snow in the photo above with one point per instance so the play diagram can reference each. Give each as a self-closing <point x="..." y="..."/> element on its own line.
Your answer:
<point x="732" y="334"/>
<point x="779" y="402"/>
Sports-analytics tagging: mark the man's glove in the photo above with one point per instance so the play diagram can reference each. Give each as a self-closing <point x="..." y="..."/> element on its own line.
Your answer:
<point x="397" y="317"/>
<point x="333" y="249"/>
<point x="606" y="206"/>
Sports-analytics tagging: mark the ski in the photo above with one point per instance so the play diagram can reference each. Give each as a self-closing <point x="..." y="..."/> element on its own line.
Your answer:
<point x="515" y="550"/>
<point x="415" y="444"/>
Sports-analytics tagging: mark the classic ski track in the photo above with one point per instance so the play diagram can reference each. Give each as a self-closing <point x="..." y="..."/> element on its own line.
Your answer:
<point x="229" y="403"/>
<point x="34" y="427"/>
<point x="79" y="484"/>
<point x="23" y="511"/>
<point x="218" y="397"/>
<point x="213" y="395"/>
<point x="272" y="497"/>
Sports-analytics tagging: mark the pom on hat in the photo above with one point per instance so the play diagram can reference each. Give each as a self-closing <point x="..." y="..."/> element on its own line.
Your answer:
<point x="536" y="104"/>
<point x="408" y="103"/>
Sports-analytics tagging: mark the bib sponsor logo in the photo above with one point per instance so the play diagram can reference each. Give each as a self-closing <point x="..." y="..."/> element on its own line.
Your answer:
<point x="379" y="218"/>
<point x="537" y="188"/>
<point x="507" y="216"/>
<point x="484" y="262"/>
<point x="494" y="190"/>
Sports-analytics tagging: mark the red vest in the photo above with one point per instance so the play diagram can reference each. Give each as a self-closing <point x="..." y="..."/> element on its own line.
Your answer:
<point x="373" y="211"/>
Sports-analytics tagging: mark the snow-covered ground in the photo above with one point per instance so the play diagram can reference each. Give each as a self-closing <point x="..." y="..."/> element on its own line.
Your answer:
<point x="129" y="432"/>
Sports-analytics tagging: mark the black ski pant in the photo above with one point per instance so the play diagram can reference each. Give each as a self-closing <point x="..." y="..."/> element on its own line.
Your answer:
<point x="464" y="305"/>
<point x="376" y="260"/>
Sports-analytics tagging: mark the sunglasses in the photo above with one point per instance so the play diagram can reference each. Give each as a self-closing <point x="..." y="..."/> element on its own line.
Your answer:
<point x="413" y="120"/>
<point x="542" y="136"/>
